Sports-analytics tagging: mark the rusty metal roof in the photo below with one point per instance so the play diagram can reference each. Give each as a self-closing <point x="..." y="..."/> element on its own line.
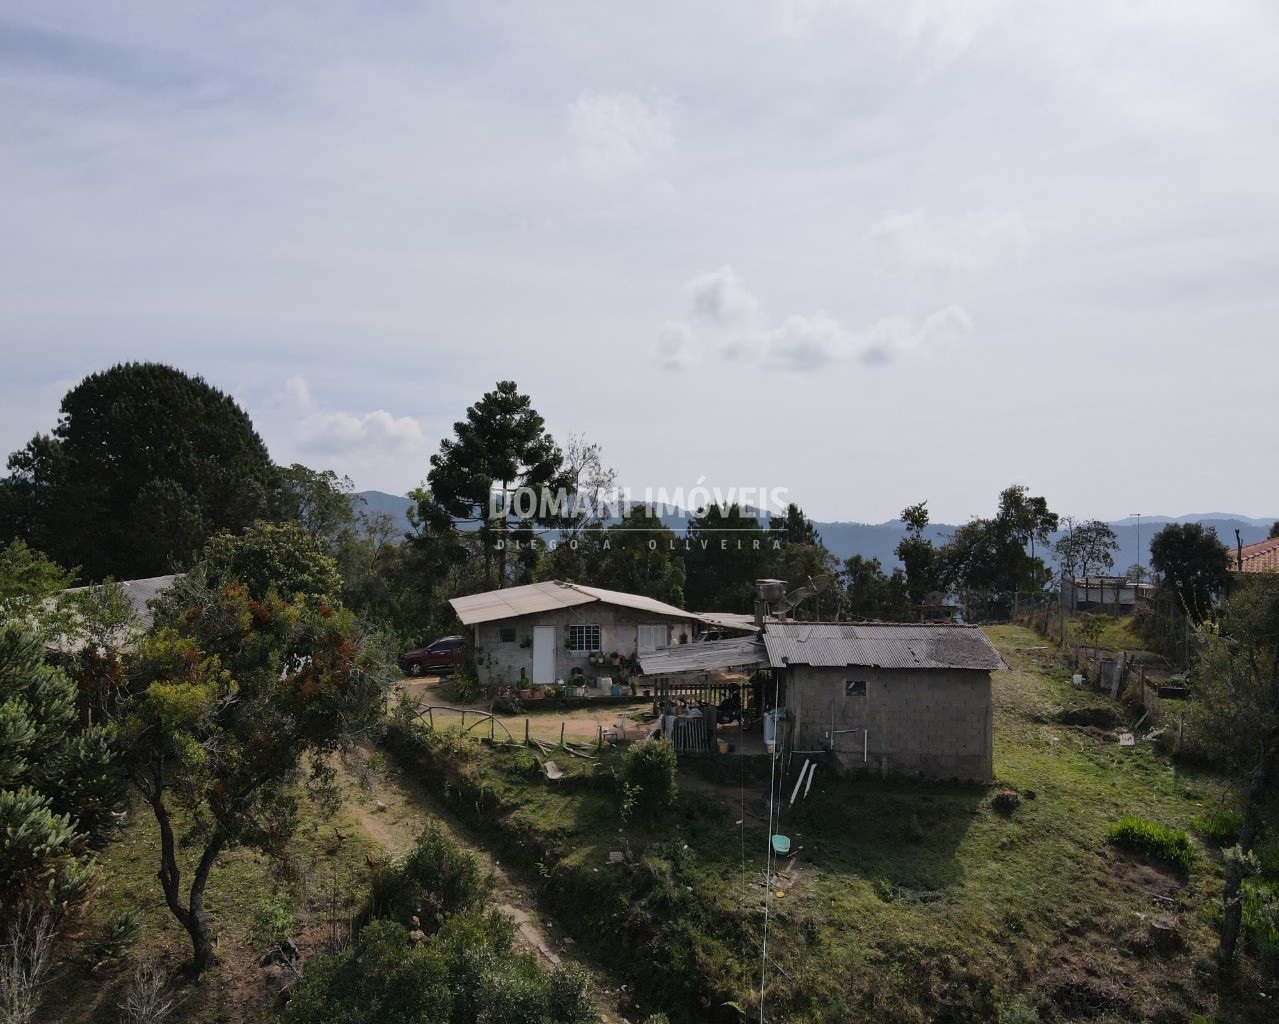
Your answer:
<point x="553" y="595"/>
<point x="879" y="645"/>
<point x="745" y="652"/>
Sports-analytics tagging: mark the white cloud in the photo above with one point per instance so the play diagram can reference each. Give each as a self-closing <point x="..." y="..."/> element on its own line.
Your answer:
<point x="617" y="131"/>
<point x="727" y="319"/>
<point x="341" y="434"/>
<point x="977" y="242"/>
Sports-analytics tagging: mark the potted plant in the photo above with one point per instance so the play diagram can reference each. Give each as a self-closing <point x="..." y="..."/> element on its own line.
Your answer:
<point x="535" y="692"/>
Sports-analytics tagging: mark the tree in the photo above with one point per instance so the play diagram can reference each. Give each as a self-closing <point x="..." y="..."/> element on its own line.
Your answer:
<point x="501" y="473"/>
<point x="726" y="552"/>
<point x="871" y="594"/>
<point x="1193" y="563"/>
<point x="319" y="501"/>
<point x="56" y="786"/>
<point x="1274" y="531"/>
<point x="1086" y="548"/>
<point x="144" y="465"/>
<point x="1236" y="714"/>
<point x="918" y="555"/>
<point x="638" y="555"/>
<point x="228" y="696"/>
<point x="30" y="584"/>
<point x="265" y="557"/>
<point x="987" y="560"/>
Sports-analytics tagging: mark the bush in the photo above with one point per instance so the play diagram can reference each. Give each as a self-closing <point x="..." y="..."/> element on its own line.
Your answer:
<point x="434" y="881"/>
<point x="1151" y="839"/>
<point x="273" y="921"/>
<point x="382" y="978"/>
<point x="648" y="777"/>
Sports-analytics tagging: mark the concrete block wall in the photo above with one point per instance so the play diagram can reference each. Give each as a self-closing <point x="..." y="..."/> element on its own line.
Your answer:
<point x="937" y="723"/>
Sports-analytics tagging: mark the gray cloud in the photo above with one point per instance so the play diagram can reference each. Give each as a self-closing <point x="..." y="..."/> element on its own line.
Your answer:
<point x="726" y="319"/>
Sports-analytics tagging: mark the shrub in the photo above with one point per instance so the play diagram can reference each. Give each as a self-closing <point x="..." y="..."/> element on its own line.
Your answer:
<point x="462" y="687"/>
<point x="435" y="880"/>
<point x="382" y="978"/>
<point x="1261" y="923"/>
<point x="1151" y="839"/>
<point x="273" y="921"/>
<point x="648" y="777"/>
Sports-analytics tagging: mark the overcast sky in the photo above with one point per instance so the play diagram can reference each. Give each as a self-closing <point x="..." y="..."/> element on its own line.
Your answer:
<point x="870" y="251"/>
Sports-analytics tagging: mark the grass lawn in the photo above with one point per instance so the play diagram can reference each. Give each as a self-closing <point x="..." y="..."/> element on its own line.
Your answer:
<point x="250" y="901"/>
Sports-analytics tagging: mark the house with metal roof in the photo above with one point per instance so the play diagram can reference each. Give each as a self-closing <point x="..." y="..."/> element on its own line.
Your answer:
<point x="541" y="632"/>
<point x="897" y="699"/>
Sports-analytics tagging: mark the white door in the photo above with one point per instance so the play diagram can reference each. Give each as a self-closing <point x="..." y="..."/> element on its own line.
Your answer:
<point x="543" y="654"/>
<point x="652" y="637"/>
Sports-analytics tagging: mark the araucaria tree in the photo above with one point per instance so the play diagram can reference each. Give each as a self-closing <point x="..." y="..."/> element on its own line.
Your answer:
<point x="1236" y="714"/>
<point x="500" y="472"/>
<point x="230" y="698"/>
<point x="144" y="465"/>
<point x="56" y="783"/>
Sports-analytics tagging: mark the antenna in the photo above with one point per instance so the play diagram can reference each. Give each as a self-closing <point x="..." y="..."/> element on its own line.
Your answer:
<point x="812" y="586"/>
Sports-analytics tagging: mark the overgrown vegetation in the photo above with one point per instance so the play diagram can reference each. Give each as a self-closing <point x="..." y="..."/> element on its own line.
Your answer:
<point x="1151" y="839"/>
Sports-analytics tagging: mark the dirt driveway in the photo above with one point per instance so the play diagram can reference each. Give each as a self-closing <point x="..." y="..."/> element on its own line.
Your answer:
<point x="581" y="725"/>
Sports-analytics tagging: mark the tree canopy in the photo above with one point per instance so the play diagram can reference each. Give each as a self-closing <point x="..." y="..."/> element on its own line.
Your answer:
<point x="494" y="474"/>
<point x="1193" y="563"/>
<point x="145" y="463"/>
<point x="227" y="696"/>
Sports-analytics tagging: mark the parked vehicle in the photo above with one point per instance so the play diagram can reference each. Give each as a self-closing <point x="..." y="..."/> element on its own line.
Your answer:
<point x="442" y="656"/>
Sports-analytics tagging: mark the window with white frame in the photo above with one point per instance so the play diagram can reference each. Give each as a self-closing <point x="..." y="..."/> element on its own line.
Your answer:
<point x="651" y="638"/>
<point x="583" y="638"/>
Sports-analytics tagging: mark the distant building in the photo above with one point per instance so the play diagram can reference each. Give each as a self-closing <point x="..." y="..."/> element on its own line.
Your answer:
<point x="1115" y="594"/>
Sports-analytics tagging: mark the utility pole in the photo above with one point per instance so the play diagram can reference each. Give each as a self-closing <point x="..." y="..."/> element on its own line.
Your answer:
<point x="1141" y="555"/>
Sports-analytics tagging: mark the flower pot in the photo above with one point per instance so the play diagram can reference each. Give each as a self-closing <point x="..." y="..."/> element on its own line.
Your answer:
<point x="524" y="694"/>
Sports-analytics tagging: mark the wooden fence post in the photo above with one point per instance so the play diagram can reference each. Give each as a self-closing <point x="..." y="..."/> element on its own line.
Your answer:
<point x="561" y="734"/>
<point x="526" y="732"/>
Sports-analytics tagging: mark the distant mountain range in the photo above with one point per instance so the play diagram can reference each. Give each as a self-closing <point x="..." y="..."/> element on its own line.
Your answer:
<point x="877" y="540"/>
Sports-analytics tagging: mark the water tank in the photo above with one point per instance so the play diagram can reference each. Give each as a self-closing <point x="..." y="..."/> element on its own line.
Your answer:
<point x="770" y="591"/>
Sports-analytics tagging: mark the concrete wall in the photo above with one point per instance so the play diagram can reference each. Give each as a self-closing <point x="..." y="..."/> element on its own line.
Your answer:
<point x="500" y="663"/>
<point x="930" y="722"/>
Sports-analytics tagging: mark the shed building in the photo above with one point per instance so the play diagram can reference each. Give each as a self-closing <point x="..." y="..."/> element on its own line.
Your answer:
<point x="895" y="699"/>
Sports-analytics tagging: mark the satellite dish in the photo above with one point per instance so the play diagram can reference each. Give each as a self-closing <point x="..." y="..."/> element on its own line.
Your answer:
<point x="810" y="587"/>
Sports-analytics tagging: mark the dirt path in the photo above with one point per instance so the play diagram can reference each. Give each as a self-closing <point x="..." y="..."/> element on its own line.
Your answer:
<point x="393" y="815"/>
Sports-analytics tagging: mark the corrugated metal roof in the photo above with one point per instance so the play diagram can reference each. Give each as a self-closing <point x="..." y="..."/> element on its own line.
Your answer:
<point x="526" y="600"/>
<point x="554" y="595"/>
<point x="139" y="593"/>
<point x="730" y="620"/>
<point x="746" y="652"/>
<point x="879" y="645"/>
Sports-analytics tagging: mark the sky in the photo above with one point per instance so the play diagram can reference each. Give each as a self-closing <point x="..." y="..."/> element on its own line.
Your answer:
<point x="859" y="253"/>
